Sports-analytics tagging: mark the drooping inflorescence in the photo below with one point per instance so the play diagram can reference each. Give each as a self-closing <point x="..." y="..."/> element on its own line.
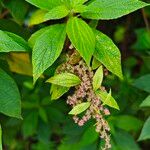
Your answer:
<point x="85" y="93"/>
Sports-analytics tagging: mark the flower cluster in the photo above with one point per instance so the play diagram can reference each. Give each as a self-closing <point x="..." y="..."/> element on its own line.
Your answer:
<point x="84" y="92"/>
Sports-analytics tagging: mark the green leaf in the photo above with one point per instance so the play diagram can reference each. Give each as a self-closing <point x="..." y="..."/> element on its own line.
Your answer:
<point x="82" y="37"/>
<point x="18" y="12"/>
<point x="57" y="91"/>
<point x="107" y="99"/>
<point x="146" y="61"/>
<point x="19" y="40"/>
<point x="146" y="102"/>
<point x="43" y="114"/>
<point x="45" y="4"/>
<point x="80" y="108"/>
<point x="143" y="40"/>
<point x="40" y="16"/>
<point x="145" y="134"/>
<point x="143" y="83"/>
<point x="126" y="122"/>
<point x="71" y="4"/>
<point x="37" y="17"/>
<point x="9" y="96"/>
<point x="30" y="124"/>
<point x="57" y="13"/>
<point x="65" y="79"/>
<point x="79" y="8"/>
<point x="32" y="40"/>
<point x="93" y="23"/>
<point x="47" y="49"/>
<point x="11" y="26"/>
<point x="11" y="42"/>
<point x="0" y="137"/>
<point x="77" y="2"/>
<point x="89" y="132"/>
<point x="111" y="9"/>
<point x="125" y="141"/>
<point x="119" y="34"/>
<point x="108" y="54"/>
<point x="98" y="78"/>
<point x="95" y="63"/>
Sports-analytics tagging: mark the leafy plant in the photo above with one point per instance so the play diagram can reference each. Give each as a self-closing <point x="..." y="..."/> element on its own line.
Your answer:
<point x="76" y="51"/>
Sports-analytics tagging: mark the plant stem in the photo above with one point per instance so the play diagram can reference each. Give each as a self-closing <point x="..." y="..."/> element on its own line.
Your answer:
<point x="4" y="14"/>
<point x="145" y="20"/>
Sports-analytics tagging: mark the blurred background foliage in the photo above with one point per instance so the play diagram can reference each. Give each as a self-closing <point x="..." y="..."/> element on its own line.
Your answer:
<point x="46" y="124"/>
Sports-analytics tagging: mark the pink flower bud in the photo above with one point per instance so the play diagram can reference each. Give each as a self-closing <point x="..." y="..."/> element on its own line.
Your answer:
<point x="106" y="111"/>
<point x="81" y="123"/>
<point x="85" y="118"/>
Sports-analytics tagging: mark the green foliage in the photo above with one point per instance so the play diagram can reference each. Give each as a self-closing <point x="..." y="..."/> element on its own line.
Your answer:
<point x="79" y="108"/>
<point x="57" y="91"/>
<point x="72" y="3"/>
<point x="143" y="39"/>
<point x="40" y="15"/>
<point x="43" y="114"/>
<point x="126" y="122"/>
<point x="45" y="4"/>
<point x="57" y="13"/>
<point x="95" y="63"/>
<point x="125" y="141"/>
<point x="143" y="83"/>
<point x="111" y="9"/>
<point x="68" y="51"/>
<point x="11" y="26"/>
<point x="45" y="55"/>
<point x="0" y="138"/>
<point x="108" y="54"/>
<point x="120" y="34"/>
<point x="9" y="96"/>
<point x="36" y="35"/>
<point x="85" y="43"/>
<point x="85" y="140"/>
<point x="81" y="142"/>
<point x="107" y="99"/>
<point x="79" y="9"/>
<point x="37" y="17"/>
<point x="18" y="12"/>
<point x="29" y="128"/>
<point x="65" y="79"/>
<point x="11" y="42"/>
<point x="146" y="102"/>
<point x="98" y="78"/>
<point x="145" y="134"/>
